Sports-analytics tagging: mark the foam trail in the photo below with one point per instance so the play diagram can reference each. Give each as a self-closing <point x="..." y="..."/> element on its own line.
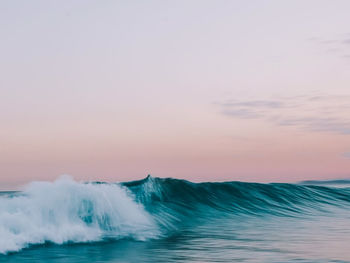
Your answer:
<point x="68" y="211"/>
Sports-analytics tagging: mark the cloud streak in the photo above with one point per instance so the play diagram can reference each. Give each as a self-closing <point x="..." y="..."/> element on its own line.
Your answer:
<point x="257" y="103"/>
<point x="313" y="113"/>
<point x="338" y="45"/>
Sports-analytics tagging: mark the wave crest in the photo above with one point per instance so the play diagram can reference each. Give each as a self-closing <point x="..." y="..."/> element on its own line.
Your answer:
<point x="67" y="211"/>
<point x="238" y="198"/>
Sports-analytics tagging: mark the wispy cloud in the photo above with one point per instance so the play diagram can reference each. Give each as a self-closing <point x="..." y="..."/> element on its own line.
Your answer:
<point x="318" y="113"/>
<point x="320" y="124"/>
<point x="338" y="45"/>
<point x="242" y="113"/>
<point x="256" y="103"/>
<point x="346" y="155"/>
<point x="346" y="41"/>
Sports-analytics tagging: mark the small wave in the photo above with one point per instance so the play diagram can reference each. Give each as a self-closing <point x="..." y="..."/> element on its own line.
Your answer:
<point x="338" y="182"/>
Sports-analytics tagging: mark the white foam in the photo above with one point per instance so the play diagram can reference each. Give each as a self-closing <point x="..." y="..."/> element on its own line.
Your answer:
<point x="68" y="211"/>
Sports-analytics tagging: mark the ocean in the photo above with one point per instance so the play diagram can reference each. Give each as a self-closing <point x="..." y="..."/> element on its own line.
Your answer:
<point x="172" y="220"/>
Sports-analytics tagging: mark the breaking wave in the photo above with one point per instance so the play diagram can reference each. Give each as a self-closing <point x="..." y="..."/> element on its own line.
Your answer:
<point x="66" y="211"/>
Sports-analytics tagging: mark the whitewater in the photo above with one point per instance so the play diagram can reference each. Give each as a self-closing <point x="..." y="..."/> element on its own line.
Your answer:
<point x="171" y="220"/>
<point x="67" y="211"/>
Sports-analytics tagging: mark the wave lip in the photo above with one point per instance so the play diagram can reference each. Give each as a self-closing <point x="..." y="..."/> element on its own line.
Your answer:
<point x="67" y="211"/>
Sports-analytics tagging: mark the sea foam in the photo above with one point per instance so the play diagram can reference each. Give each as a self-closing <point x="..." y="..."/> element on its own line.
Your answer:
<point x="67" y="211"/>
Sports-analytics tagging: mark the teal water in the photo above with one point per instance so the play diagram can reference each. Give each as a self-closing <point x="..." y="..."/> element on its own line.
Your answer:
<point x="170" y="220"/>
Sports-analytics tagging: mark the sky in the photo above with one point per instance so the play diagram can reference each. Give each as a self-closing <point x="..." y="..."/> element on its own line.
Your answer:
<point x="199" y="90"/>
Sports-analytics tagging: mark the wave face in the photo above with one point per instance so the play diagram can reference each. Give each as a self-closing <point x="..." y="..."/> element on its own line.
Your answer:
<point x="236" y="198"/>
<point x="66" y="211"/>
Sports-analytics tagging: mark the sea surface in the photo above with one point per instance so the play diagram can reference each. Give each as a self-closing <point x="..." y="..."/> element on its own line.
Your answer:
<point x="171" y="220"/>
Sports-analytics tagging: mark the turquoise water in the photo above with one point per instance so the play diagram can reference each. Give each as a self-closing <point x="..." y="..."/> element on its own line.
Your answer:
<point x="170" y="220"/>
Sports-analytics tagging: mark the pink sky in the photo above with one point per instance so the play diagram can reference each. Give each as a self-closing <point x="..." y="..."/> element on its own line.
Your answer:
<point x="200" y="90"/>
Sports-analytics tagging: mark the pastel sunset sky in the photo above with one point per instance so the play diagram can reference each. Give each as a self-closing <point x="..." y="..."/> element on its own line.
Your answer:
<point x="197" y="89"/>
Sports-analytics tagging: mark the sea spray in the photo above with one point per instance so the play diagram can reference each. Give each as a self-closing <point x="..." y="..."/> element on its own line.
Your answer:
<point x="67" y="211"/>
